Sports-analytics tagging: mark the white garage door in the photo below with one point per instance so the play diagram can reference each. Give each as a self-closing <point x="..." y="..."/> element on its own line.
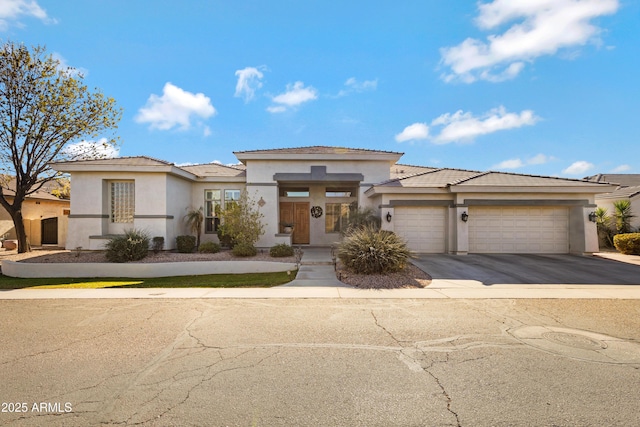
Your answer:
<point x="422" y="227"/>
<point x="518" y="230"/>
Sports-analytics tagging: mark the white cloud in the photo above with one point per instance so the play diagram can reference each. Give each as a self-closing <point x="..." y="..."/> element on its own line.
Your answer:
<point x="276" y="109"/>
<point x="509" y="164"/>
<point x="621" y="168"/>
<point x="540" y="159"/>
<point x="83" y="150"/>
<point x="578" y="168"/>
<point x="206" y="131"/>
<point x="462" y="126"/>
<point x="12" y="10"/>
<point x="63" y="65"/>
<point x="517" y="163"/>
<point x="413" y="132"/>
<point x="174" y="108"/>
<point x="353" y="85"/>
<point x="538" y="27"/>
<point x="295" y="95"/>
<point x="248" y="83"/>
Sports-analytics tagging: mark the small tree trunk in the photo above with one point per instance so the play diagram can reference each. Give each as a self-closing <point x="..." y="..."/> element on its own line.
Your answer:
<point x="21" y="233"/>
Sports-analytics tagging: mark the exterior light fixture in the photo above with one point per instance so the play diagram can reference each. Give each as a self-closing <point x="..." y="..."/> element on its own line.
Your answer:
<point x="592" y="217"/>
<point x="464" y="217"/>
<point x="389" y="217"/>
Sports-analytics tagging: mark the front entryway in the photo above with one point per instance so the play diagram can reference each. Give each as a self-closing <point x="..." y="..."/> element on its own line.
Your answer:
<point x="296" y="213"/>
<point x="50" y="231"/>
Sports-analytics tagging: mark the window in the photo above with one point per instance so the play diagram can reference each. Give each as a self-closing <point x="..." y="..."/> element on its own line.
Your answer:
<point x="231" y="196"/>
<point x="294" y="192"/>
<point x="337" y="216"/>
<point x="340" y="192"/>
<point x="212" y="205"/>
<point x="122" y="201"/>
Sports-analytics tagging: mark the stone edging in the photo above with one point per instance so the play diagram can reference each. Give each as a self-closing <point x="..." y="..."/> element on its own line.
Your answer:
<point x="143" y="270"/>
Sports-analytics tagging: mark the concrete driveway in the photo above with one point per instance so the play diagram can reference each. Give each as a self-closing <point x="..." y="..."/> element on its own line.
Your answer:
<point x="492" y="269"/>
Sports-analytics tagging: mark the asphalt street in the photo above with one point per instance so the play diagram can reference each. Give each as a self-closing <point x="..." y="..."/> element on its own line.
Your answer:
<point x="320" y="362"/>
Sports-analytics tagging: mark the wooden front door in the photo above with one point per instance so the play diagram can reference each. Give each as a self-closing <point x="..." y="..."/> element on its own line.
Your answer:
<point x="49" y="231"/>
<point x="298" y="214"/>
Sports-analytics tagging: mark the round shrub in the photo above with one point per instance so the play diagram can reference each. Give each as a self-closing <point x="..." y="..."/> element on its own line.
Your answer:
<point x="209" y="248"/>
<point x="281" y="250"/>
<point x="186" y="244"/>
<point x="368" y="250"/>
<point x="244" y="250"/>
<point x="132" y="246"/>
<point x="157" y="244"/>
<point x="628" y="243"/>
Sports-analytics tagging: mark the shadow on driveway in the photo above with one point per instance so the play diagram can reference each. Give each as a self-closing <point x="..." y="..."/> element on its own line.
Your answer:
<point x="492" y="269"/>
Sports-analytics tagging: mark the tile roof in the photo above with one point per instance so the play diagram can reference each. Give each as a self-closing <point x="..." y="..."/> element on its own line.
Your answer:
<point x="518" y="180"/>
<point x="402" y="171"/>
<point x="623" y="179"/>
<point x="122" y="161"/>
<point x="434" y="178"/>
<point x="445" y="177"/>
<point x="315" y="149"/>
<point x="621" y="193"/>
<point x="43" y="193"/>
<point x="214" y="170"/>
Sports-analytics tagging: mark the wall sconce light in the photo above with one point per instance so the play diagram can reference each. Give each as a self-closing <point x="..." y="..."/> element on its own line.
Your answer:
<point x="389" y="217"/>
<point x="592" y="217"/>
<point x="464" y="217"/>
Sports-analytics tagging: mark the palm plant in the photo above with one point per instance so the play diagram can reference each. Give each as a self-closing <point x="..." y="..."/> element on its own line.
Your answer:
<point x="603" y="221"/>
<point x="194" y="219"/>
<point x="623" y="216"/>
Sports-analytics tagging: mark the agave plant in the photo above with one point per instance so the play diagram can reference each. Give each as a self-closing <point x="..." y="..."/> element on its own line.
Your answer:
<point x="623" y="216"/>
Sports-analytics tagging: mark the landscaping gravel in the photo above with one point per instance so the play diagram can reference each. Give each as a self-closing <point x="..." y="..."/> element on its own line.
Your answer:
<point x="64" y="256"/>
<point x="410" y="277"/>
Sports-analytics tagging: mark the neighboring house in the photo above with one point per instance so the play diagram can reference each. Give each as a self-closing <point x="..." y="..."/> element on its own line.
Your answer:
<point x="437" y="210"/>
<point x="45" y="217"/>
<point x="628" y="188"/>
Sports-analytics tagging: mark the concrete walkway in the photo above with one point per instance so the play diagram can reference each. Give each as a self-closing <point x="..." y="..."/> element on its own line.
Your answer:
<point x="317" y="270"/>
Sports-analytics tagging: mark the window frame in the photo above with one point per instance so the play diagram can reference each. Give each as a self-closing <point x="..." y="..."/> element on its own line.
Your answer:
<point x="122" y="201"/>
<point x="212" y="207"/>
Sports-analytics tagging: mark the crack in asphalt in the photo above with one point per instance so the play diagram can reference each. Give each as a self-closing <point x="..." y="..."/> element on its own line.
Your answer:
<point x="444" y="390"/>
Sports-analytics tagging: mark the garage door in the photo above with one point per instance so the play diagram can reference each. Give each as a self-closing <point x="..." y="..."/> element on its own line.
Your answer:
<point x="518" y="230"/>
<point x="422" y="227"/>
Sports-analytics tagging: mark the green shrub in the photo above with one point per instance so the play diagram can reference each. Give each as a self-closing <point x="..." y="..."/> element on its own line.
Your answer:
<point x="225" y="237"/>
<point x="368" y="250"/>
<point x="186" y="244"/>
<point x="244" y="250"/>
<point x="209" y="248"/>
<point x="132" y="246"/>
<point x="281" y="250"/>
<point x="157" y="244"/>
<point x="628" y="244"/>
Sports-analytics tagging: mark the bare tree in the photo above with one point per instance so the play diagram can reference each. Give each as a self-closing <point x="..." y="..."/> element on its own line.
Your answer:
<point x="44" y="110"/>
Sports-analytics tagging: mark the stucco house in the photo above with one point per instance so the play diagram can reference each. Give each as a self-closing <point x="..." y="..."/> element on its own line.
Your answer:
<point x="437" y="210"/>
<point x="627" y="187"/>
<point x="45" y="216"/>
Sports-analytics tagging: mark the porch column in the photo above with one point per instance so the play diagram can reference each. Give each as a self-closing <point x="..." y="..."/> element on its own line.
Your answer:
<point x="459" y="229"/>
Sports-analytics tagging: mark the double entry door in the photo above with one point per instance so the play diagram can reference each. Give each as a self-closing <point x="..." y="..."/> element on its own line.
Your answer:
<point x="298" y="214"/>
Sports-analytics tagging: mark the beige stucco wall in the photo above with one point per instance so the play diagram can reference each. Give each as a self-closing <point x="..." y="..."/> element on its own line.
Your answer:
<point x="158" y="196"/>
<point x="260" y="184"/>
<point x="583" y="237"/>
<point x="33" y="212"/>
<point x="635" y="209"/>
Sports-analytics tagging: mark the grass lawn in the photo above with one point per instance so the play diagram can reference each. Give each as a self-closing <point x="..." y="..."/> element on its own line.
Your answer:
<point x="249" y="280"/>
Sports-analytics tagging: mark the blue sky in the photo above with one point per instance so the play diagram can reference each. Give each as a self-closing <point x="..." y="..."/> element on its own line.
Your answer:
<point x="531" y="86"/>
